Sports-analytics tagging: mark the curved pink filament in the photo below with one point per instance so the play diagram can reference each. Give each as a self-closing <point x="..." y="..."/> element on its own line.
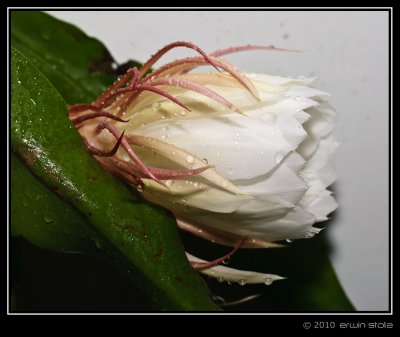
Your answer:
<point x="85" y="117"/>
<point x="248" y="47"/>
<point x="206" y="265"/>
<point x="192" y="62"/>
<point x="125" y="175"/>
<point x="182" y="83"/>
<point x="162" y="174"/>
<point x="102" y="153"/>
<point x="143" y="87"/>
<point x="143" y="169"/>
<point x="131" y="87"/>
<point x="168" y="47"/>
<point x="75" y="108"/>
<point x="112" y="88"/>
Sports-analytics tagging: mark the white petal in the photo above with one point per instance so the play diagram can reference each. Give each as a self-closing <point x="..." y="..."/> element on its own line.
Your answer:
<point x="222" y="273"/>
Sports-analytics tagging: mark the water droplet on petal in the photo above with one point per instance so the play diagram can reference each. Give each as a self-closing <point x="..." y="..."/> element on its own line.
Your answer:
<point x="220" y="279"/>
<point x="169" y="183"/>
<point x="242" y="282"/>
<point x="268" y="281"/>
<point x="309" y="235"/>
<point x="269" y="118"/>
<point x="165" y="136"/>
<point x="227" y="260"/>
<point x="190" y="159"/>
<point x="183" y="112"/>
<point x="224" y="184"/>
<point x="139" y="189"/>
<point x="156" y="106"/>
<point x="289" y="240"/>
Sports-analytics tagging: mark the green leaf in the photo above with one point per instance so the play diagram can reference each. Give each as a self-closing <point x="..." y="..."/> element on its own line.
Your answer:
<point x="43" y="218"/>
<point x="79" y="67"/>
<point x="49" y="145"/>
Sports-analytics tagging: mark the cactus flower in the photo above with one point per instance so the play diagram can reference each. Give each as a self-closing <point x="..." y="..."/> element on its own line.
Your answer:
<point x="240" y="159"/>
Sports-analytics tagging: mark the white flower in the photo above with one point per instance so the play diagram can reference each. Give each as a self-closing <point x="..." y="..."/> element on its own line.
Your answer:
<point x="249" y="160"/>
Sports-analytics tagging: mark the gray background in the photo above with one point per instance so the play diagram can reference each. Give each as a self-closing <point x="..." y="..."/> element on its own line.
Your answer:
<point x="348" y="52"/>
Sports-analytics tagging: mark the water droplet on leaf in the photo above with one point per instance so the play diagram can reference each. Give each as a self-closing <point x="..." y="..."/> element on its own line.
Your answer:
<point x="48" y="219"/>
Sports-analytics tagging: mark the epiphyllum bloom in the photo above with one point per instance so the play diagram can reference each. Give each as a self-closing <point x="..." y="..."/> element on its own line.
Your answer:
<point x="240" y="159"/>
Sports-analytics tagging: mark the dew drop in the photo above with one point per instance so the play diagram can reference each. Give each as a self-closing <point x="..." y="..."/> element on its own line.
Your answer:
<point x="268" y="281"/>
<point x="156" y="106"/>
<point x="218" y="299"/>
<point x="169" y="183"/>
<point x="97" y="243"/>
<point x="220" y="279"/>
<point x="269" y="118"/>
<point x="19" y="82"/>
<point x="224" y="184"/>
<point x="183" y="112"/>
<point x="48" y="219"/>
<point x="289" y="240"/>
<point x="34" y="103"/>
<point x="242" y="282"/>
<point x="190" y="159"/>
<point x="279" y="156"/>
<point x="229" y="169"/>
<point x="165" y="136"/>
<point x="139" y="189"/>
<point x="184" y="201"/>
<point x="309" y="235"/>
<point x="227" y="260"/>
<point x="229" y="283"/>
